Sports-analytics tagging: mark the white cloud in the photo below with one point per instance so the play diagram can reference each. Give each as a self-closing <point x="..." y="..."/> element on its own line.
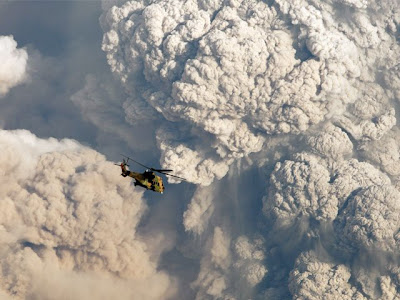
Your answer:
<point x="13" y="65"/>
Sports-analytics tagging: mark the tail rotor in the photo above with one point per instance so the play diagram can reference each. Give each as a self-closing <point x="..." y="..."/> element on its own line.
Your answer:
<point x="124" y="163"/>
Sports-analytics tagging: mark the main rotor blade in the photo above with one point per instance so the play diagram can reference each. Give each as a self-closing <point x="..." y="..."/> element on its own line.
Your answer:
<point x="160" y="170"/>
<point x="137" y="162"/>
<point x="181" y="178"/>
<point x="164" y="172"/>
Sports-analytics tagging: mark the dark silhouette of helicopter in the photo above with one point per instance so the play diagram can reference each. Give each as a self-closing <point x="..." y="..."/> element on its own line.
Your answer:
<point x="148" y="179"/>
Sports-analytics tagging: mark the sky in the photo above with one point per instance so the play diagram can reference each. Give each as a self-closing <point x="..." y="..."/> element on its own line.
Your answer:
<point x="281" y="115"/>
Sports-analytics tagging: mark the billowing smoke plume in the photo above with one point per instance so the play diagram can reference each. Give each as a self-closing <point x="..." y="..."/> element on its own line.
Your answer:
<point x="300" y="189"/>
<point x="197" y="63"/>
<point x="229" y="268"/>
<point x="312" y="278"/>
<point x="13" y="64"/>
<point x="227" y="81"/>
<point x="370" y="219"/>
<point x="200" y="210"/>
<point x="69" y="225"/>
<point x="233" y="72"/>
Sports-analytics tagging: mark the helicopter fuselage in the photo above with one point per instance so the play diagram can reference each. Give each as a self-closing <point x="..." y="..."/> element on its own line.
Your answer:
<point x="147" y="179"/>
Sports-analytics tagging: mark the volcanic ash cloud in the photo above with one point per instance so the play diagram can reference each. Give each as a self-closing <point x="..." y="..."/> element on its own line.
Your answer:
<point x="224" y="78"/>
<point x="313" y="278"/>
<point x="229" y="269"/>
<point x="68" y="225"/>
<point x="234" y="72"/>
<point x="204" y="66"/>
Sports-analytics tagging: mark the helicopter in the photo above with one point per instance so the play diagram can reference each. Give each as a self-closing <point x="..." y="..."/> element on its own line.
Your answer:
<point x="148" y="179"/>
